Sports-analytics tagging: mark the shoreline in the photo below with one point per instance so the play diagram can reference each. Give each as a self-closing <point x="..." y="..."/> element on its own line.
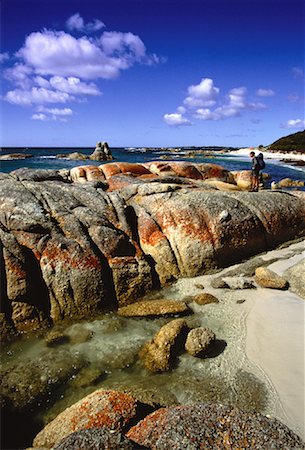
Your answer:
<point x="275" y="343"/>
<point x="269" y="155"/>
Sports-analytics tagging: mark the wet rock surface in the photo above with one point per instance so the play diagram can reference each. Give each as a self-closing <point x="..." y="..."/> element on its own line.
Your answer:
<point x="158" y="354"/>
<point x="211" y="426"/>
<point x="27" y="383"/>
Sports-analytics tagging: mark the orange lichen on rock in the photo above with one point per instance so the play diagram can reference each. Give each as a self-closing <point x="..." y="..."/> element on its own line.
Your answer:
<point x="102" y="408"/>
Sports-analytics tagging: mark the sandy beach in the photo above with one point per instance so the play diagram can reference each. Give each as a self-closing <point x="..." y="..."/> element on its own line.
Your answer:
<point x="275" y="343"/>
<point x="269" y="155"/>
<point x="269" y="334"/>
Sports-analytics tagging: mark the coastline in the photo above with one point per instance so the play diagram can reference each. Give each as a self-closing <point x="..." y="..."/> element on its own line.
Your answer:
<point x="269" y="155"/>
<point x="275" y="343"/>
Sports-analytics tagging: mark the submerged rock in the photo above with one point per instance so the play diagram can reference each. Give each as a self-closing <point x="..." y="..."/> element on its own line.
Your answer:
<point x="268" y="279"/>
<point x="158" y="354"/>
<point x="211" y="426"/>
<point x="25" y="384"/>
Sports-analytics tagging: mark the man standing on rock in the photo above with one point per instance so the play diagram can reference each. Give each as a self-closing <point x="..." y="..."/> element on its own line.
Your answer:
<point x="254" y="173"/>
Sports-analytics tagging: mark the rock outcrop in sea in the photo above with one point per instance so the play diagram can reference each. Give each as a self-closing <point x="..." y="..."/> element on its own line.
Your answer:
<point x="75" y="242"/>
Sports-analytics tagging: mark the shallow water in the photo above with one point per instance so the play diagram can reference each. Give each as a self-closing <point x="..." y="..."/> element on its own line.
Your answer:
<point x="228" y="377"/>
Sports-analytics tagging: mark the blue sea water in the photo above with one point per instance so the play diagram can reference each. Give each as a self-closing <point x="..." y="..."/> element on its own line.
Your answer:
<point x="45" y="158"/>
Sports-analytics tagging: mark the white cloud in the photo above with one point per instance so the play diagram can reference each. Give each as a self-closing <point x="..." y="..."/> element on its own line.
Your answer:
<point x="265" y="92"/>
<point x="76" y="22"/>
<point x="206" y="114"/>
<point x="73" y="85"/>
<point x="4" y="57"/>
<point x="56" y="67"/>
<point x="56" y="111"/>
<point x="39" y="116"/>
<point x="20" y="75"/>
<point x="175" y="120"/>
<point x="202" y="94"/>
<point x="60" y="54"/>
<point x="203" y="103"/>
<point x="294" y="123"/>
<point x="36" y="96"/>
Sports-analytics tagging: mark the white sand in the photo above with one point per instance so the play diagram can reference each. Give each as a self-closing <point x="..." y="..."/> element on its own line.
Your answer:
<point x="269" y="155"/>
<point x="275" y="343"/>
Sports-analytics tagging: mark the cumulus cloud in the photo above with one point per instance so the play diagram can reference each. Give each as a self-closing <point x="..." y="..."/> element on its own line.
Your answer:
<point x="73" y="85"/>
<point x="56" y="67"/>
<point x="20" y="75"/>
<point x="176" y="120"/>
<point x="39" y="116"/>
<point x="202" y="94"/>
<point x="76" y="22"/>
<point x="203" y="102"/>
<point x="52" y="114"/>
<point x="60" y="54"/>
<point x="265" y="92"/>
<point x="36" y="96"/>
<point x="294" y="123"/>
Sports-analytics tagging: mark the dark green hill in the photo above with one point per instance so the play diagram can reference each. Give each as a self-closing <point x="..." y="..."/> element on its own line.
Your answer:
<point x="292" y="143"/>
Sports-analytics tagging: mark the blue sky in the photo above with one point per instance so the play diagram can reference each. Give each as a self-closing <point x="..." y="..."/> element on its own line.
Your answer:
<point x="151" y="72"/>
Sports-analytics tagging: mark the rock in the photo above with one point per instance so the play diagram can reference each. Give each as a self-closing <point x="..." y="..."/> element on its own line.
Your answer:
<point x="101" y="152"/>
<point x="288" y="182"/>
<point x="69" y="249"/>
<point x="221" y="185"/>
<point x="205" y="299"/>
<point x="103" y="408"/>
<point x="268" y="279"/>
<point x="88" y="376"/>
<point x="241" y="301"/>
<point x="12" y="156"/>
<point x="56" y="337"/>
<point x="242" y="179"/>
<point x="7" y="329"/>
<point x="78" y="334"/>
<point x="95" y="439"/>
<point x="30" y="381"/>
<point x="198" y="341"/>
<point x="199" y="286"/>
<point x="153" y="308"/>
<point x="239" y="282"/>
<point x="83" y="174"/>
<point x="219" y="283"/>
<point x="158" y="354"/>
<point x="76" y="156"/>
<point x="211" y="426"/>
<point x="296" y="277"/>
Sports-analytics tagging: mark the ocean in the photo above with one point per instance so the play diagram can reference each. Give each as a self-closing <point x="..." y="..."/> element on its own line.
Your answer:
<point x="45" y="158"/>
